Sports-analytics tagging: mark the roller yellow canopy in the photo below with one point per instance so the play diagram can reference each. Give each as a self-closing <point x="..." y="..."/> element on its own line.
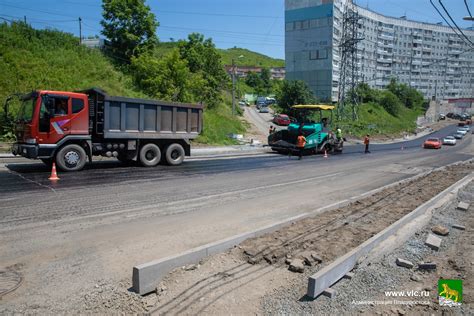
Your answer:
<point x="314" y="106"/>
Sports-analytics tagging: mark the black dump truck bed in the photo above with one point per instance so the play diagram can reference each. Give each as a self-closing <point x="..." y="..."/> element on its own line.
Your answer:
<point x="121" y="117"/>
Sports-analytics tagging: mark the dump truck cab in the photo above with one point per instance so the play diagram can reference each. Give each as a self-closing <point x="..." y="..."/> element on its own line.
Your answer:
<point x="47" y="119"/>
<point x="319" y="137"/>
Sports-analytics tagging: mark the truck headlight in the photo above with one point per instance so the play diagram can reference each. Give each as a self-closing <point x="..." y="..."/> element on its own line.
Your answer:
<point x="31" y="140"/>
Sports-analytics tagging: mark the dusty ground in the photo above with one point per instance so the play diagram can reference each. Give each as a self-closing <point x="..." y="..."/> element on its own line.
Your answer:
<point x="365" y="293"/>
<point x="253" y="277"/>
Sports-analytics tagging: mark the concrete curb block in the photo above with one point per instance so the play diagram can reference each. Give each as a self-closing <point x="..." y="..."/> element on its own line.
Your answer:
<point x="145" y="277"/>
<point x="330" y="274"/>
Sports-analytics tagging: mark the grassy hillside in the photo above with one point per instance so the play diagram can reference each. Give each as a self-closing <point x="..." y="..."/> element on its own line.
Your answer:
<point x="374" y="119"/>
<point x="44" y="59"/>
<point x="49" y="59"/>
<point x="250" y="58"/>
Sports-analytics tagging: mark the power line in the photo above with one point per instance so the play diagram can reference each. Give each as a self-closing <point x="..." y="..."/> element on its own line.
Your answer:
<point x="439" y="12"/>
<point x="467" y="7"/>
<point x="192" y="13"/>
<point x="444" y="8"/>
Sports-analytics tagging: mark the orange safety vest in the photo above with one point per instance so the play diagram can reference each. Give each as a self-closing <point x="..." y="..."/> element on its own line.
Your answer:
<point x="300" y="141"/>
<point x="366" y="140"/>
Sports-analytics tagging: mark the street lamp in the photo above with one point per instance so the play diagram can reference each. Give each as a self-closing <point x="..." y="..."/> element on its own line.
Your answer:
<point x="233" y="84"/>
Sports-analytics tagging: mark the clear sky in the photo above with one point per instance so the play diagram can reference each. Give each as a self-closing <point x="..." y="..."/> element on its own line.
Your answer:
<point x="254" y="24"/>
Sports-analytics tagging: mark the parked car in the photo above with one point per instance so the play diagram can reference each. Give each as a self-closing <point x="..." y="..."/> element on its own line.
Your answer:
<point x="449" y="140"/>
<point x="458" y="136"/>
<point x="281" y="119"/>
<point x="434" y="143"/>
<point x="461" y="131"/>
<point x="264" y="109"/>
<point x="442" y="116"/>
<point x="466" y="128"/>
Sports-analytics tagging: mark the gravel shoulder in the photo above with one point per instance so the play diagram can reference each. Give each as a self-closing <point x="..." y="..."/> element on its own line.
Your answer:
<point x="365" y="292"/>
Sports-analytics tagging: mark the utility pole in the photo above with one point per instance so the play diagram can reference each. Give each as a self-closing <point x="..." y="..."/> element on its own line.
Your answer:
<point x="348" y="75"/>
<point x="24" y="19"/>
<point x="80" y="30"/>
<point x="233" y="86"/>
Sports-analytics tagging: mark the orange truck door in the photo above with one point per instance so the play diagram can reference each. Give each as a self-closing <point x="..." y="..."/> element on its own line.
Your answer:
<point x="55" y="118"/>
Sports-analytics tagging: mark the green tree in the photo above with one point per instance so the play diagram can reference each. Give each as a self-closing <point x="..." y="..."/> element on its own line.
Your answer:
<point x="265" y="77"/>
<point x="409" y="97"/>
<point x="390" y="102"/>
<point x="366" y="93"/>
<point x="130" y="26"/>
<point x="253" y="80"/>
<point x="294" y="92"/>
<point x="204" y="59"/>
<point x="167" y="78"/>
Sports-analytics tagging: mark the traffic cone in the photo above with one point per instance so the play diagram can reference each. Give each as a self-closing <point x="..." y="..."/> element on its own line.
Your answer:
<point x="325" y="153"/>
<point x="54" y="175"/>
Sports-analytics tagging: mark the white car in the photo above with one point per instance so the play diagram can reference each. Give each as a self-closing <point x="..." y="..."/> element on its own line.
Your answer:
<point x="449" y="140"/>
<point x="461" y="131"/>
<point x="466" y="128"/>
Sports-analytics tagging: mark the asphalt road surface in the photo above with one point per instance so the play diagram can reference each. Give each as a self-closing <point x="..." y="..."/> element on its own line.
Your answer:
<point x="97" y="224"/>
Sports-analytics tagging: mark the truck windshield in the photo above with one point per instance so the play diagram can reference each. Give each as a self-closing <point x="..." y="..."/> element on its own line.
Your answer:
<point x="26" y="110"/>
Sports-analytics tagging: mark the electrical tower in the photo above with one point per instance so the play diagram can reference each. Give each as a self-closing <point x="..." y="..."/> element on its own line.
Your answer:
<point x="349" y="72"/>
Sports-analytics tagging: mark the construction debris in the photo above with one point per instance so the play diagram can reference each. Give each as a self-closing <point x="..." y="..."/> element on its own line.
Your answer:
<point x="427" y="266"/>
<point x="404" y="263"/>
<point x="460" y="227"/>
<point x="329" y="292"/>
<point x="440" y="230"/>
<point x="463" y="206"/>
<point x="296" y="265"/>
<point x="433" y="242"/>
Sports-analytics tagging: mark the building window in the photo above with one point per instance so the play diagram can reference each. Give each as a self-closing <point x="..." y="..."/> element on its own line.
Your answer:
<point x="318" y="54"/>
<point x="305" y="24"/>
<point x="290" y="26"/>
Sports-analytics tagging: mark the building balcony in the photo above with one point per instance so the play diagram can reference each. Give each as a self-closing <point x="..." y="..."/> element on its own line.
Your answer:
<point x="385" y="36"/>
<point x="454" y="51"/>
<point x="385" y="60"/>
<point x="417" y="41"/>
<point x="426" y="49"/>
<point x="384" y="68"/>
<point x="383" y="52"/>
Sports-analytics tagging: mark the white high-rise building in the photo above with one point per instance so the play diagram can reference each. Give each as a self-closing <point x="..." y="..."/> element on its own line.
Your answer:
<point x="428" y="57"/>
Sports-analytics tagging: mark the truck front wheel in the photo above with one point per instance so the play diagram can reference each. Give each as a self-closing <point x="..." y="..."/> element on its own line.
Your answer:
<point x="174" y="154"/>
<point x="71" y="157"/>
<point x="150" y="155"/>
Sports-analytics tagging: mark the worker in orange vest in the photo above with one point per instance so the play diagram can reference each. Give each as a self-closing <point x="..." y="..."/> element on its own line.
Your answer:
<point x="300" y="143"/>
<point x="366" y="143"/>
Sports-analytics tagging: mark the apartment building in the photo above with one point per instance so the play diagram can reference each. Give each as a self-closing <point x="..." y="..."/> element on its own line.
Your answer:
<point x="428" y="57"/>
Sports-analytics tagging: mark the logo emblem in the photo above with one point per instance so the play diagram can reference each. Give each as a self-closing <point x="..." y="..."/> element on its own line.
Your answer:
<point x="449" y="292"/>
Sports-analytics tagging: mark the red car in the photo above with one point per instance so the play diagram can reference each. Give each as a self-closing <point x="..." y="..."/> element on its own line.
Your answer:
<point x="281" y="119"/>
<point x="434" y="143"/>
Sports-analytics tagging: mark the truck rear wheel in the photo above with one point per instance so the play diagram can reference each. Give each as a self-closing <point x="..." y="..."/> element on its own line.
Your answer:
<point x="174" y="154"/>
<point x="71" y="157"/>
<point x="150" y="155"/>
